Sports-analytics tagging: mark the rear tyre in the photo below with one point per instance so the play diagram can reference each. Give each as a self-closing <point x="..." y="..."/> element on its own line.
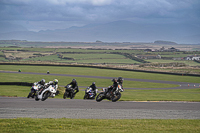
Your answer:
<point x="100" y="97"/>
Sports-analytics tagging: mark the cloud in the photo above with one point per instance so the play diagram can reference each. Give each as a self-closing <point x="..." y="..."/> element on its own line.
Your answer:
<point x="93" y="2"/>
<point x="92" y="11"/>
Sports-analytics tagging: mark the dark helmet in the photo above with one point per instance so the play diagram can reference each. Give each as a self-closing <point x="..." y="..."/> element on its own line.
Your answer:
<point x="120" y="80"/>
<point x="93" y="83"/>
<point x="73" y="80"/>
<point x="43" y="81"/>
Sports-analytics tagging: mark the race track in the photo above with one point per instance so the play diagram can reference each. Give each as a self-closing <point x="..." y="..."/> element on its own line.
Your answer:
<point x="14" y="107"/>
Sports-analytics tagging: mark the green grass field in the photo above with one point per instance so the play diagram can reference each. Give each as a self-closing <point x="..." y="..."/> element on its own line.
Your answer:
<point x="27" y="125"/>
<point x="99" y="72"/>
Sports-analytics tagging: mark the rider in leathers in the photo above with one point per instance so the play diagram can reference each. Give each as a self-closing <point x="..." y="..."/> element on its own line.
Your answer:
<point x="113" y="87"/>
<point x="74" y="86"/>
<point x="120" y="81"/>
<point x="93" y="86"/>
<point x="41" y="83"/>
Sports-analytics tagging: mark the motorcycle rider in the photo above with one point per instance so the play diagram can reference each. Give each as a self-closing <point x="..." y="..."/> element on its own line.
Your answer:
<point x="120" y="81"/>
<point x="54" y="82"/>
<point x="93" y="86"/>
<point x="113" y="87"/>
<point x="74" y="86"/>
<point x="41" y="83"/>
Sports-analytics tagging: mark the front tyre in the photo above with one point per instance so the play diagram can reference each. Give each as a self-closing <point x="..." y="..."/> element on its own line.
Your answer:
<point x="36" y="98"/>
<point x="100" y="97"/>
<point x="45" y="95"/>
<point x="29" y="95"/>
<point x="85" y="97"/>
<point x="65" y="95"/>
<point x="116" y="97"/>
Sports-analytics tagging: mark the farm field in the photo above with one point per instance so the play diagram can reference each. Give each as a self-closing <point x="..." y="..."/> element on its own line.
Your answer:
<point x="120" y="58"/>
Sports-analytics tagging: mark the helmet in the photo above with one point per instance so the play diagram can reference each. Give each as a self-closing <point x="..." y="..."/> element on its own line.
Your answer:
<point x="93" y="83"/>
<point x="73" y="80"/>
<point x="55" y="81"/>
<point x="120" y="79"/>
<point x="43" y="81"/>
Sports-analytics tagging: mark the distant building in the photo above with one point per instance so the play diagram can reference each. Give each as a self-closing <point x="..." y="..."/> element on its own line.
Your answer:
<point x="148" y="50"/>
<point x="192" y="58"/>
<point x="163" y="49"/>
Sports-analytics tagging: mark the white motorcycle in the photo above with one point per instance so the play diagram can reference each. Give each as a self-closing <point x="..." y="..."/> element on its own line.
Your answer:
<point x="50" y="91"/>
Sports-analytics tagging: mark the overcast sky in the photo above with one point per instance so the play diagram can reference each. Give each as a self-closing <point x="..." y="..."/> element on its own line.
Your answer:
<point x="38" y="15"/>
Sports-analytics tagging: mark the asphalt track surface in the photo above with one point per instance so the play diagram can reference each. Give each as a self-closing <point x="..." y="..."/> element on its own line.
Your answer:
<point x="14" y="107"/>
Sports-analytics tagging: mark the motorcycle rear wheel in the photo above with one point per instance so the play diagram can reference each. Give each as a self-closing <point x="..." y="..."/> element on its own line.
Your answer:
<point x="100" y="97"/>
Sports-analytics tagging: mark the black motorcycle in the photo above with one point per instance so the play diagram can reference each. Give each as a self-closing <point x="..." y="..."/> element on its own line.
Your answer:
<point x="69" y="92"/>
<point x="107" y="94"/>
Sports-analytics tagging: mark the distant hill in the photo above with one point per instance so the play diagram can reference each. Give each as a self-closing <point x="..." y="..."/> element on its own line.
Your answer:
<point x="165" y="42"/>
<point x="118" y="31"/>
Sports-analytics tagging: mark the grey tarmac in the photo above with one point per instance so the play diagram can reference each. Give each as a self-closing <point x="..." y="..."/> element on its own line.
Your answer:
<point x="15" y="107"/>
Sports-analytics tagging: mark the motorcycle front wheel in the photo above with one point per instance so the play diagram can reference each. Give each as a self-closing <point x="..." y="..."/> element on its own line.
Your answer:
<point x="36" y="98"/>
<point x="65" y="95"/>
<point x="29" y="95"/>
<point x="72" y="95"/>
<point x="116" y="97"/>
<point x="100" y="97"/>
<point x="85" y="96"/>
<point x="45" y="95"/>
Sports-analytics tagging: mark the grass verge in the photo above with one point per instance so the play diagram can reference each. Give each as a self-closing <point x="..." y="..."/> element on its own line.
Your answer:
<point x="99" y="72"/>
<point x="27" y="125"/>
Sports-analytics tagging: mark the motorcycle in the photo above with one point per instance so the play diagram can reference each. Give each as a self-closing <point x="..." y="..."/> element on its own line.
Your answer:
<point x="33" y="91"/>
<point x="69" y="92"/>
<point x="89" y="93"/>
<point x="50" y="91"/>
<point x="105" y="94"/>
